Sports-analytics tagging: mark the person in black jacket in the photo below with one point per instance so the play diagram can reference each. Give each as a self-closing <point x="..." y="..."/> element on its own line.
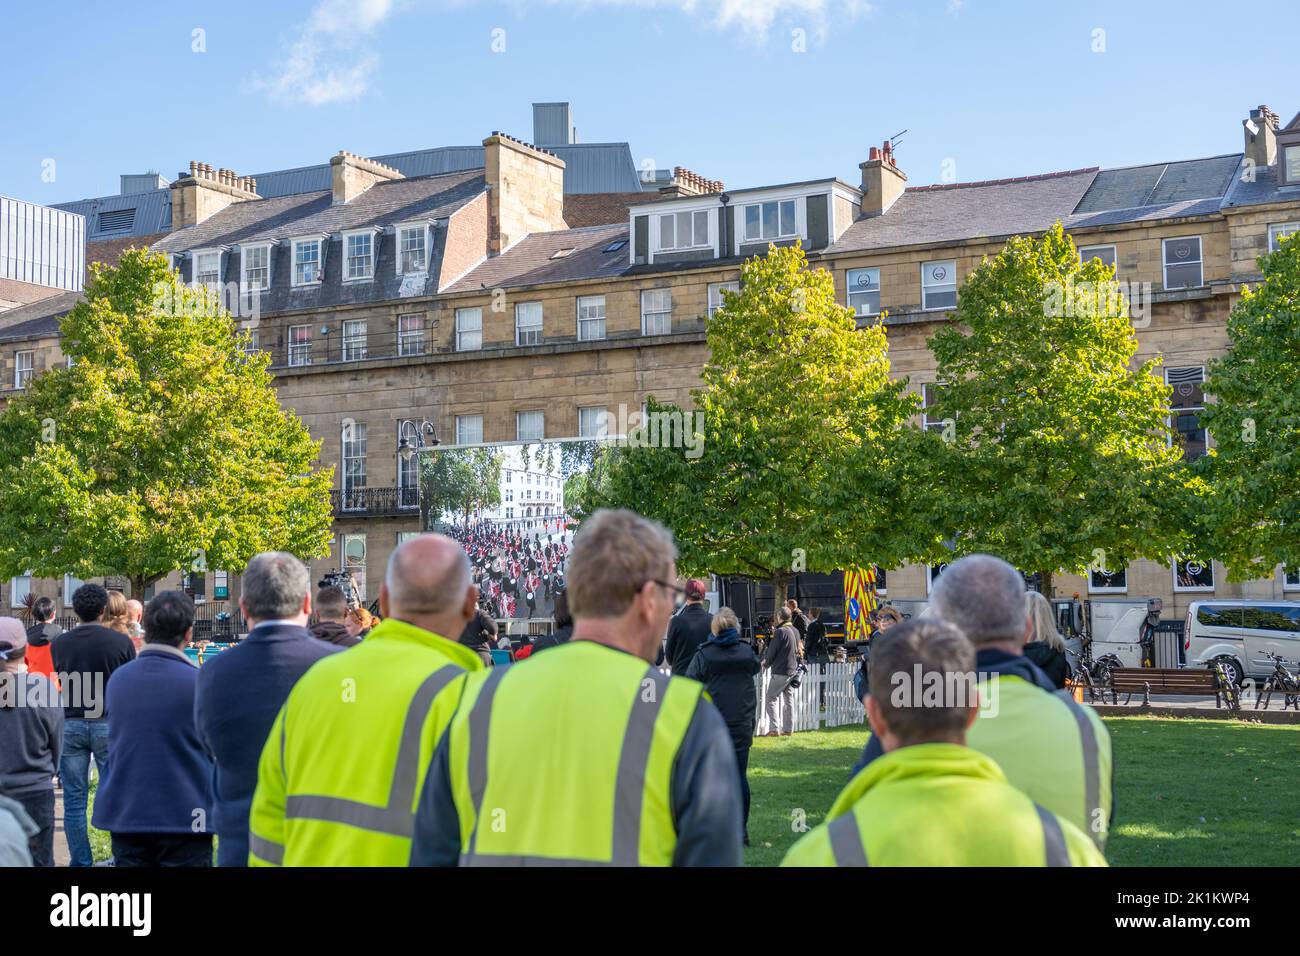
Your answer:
<point x="726" y="666"/>
<point x="817" y="649"/>
<point x="798" y="620"/>
<point x="689" y="628"/>
<point x="88" y="654"/>
<point x="480" y="635"/>
<point x="563" y="625"/>
<point x="1045" y="646"/>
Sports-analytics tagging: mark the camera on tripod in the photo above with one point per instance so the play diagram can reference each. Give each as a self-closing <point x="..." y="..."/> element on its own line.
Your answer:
<point x="342" y="579"/>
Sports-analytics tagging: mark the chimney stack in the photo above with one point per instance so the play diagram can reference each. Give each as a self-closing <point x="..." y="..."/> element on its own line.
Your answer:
<point x="351" y="175"/>
<point x="1261" y="144"/>
<point x="206" y="191"/>
<point x="525" y="190"/>
<point x="882" y="181"/>
<point x="686" y="182"/>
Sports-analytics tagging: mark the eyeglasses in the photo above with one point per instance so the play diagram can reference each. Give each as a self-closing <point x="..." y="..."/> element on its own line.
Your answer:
<point x="679" y="592"/>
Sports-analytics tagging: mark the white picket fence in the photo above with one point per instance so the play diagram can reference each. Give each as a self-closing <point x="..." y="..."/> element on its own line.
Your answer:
<point x="823" y="698"/>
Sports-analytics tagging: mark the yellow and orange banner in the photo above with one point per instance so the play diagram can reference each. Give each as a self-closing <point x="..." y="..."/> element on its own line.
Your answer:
<point x="860" y="600"/>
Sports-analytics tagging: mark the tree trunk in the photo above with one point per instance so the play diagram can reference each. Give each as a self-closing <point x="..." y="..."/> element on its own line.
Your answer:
<point x="1045" y="583"/>
<point x="778" y="595"/>
<point x="137" y="586"/>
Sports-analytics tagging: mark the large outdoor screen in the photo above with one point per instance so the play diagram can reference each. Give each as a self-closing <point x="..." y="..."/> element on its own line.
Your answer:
<point x="506" y="505"/>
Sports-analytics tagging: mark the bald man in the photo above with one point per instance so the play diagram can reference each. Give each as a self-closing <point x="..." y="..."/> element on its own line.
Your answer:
<point x="347" y="755"/>
<point x="134" y="615"/>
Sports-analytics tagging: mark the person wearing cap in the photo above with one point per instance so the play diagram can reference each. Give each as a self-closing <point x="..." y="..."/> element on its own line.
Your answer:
<point x="31" y="739"/>
<point x="689" y="628"/>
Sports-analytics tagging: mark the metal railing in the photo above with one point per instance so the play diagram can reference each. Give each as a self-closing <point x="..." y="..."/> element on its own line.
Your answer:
<point x="375" y="502"/>
<point x="336" y="347"/>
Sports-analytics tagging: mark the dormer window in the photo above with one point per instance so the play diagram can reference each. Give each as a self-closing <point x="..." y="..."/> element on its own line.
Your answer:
<point x="770" y="220"/>
<point x="255" y="266"/>
<point x="1291" y="165"/>
<point x="411" y="249"/>
<point x="684" y="230"/>
<point x="207" y="267"/>
<point x="307" y="262"/>
<point x="358" y="256"/>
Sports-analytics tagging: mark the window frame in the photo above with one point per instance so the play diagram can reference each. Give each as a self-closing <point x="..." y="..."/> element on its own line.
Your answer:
<point x="747" y="239"/>
<point x="602" y="422"/>
<point x="370" y="236"/>
<point x="196" y="257"/>
<point x="461" y="332"/>
<point x="693" y="218"/>
<point x="407" y="336"/>
<point x="244" y="252"/>
<point x="400" y="231"/>
<point x="295" y="264"/>
<point x="21" y="381"/>
<point x="348" y="478"/>
<point x="465" y="419"/>
<point x="518" y="420"/>
<point x="715" y="291"/>
<point x="1287" y="586"/>
<point x="938" y="287"/>
<point x="1197" y="589"/>
<point x="300" y="348"/>
<point x="349" y="340"/>
<point x="530" y="329"/>
<point x="1174" y="410"/>
<point x="1114" y="254"/>
<point x="1098" y="589"/>
<point x="13" y="591"/>
<point x="586" y="301"/>
<point x="1284" y="158"/>
<point x="1199" y="261"/>
<point x="1274" y="235"/>
<point x="849" y="293"/>
<point x="664" y="290"/>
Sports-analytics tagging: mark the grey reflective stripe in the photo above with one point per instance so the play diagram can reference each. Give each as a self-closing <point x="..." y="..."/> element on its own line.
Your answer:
<point x="395" y="821"/>
<point x="634" y="757"/>
<point x="268" y="851"/>
<point x="1091" y="767"/>
<point x="480" y="718"/>
<point x="491" y="859"/>
<point x="396" y="818"/>
<point x="407" y="771"/>
<point x="846" y="841"/>
<point x="1053" y="838"/>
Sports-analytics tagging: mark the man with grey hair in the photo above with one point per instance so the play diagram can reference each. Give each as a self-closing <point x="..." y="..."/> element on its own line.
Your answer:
<point x="347" y="755"/>
<point x="1054" y="749"/>
<point x="240" y="691"/>
<point x="589" y="755"/>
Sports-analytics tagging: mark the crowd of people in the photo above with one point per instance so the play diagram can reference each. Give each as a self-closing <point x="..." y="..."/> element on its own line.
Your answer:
<point x="518" y="574"/>
<point x="623" y="738"/>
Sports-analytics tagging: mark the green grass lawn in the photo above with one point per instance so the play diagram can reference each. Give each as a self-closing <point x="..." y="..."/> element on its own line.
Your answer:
<point x="1188" y="792"/>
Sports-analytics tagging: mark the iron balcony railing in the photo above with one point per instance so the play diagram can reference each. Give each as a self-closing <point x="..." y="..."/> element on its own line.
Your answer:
<point x="375" y="502"/>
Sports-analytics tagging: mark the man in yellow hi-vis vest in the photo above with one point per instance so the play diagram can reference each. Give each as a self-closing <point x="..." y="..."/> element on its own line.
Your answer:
<point x="346" y="757"/>
<point x="1054" y="749"/>
<point x="929" y="800"/>
<point x="588" y="755"/>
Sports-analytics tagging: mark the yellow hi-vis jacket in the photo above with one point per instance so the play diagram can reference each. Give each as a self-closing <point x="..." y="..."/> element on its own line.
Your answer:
<point x="567" y="759"/>
<point x="939" y="805"/>
<point x="345" y="761"/>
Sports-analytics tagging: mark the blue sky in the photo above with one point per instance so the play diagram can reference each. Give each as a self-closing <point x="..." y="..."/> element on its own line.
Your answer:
<point x="729" y="88"/>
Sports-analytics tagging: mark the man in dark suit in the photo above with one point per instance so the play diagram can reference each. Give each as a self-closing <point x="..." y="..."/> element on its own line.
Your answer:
<point x="241" y="691"/>
<point x="688" y="629"/>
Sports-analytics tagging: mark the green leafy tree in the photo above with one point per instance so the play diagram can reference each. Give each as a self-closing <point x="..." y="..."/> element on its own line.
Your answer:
<point x="163" y="447"/>
<point x="798" y="457"/>
<point x="1253" y="512"/>
<point x="1049" y="447"/>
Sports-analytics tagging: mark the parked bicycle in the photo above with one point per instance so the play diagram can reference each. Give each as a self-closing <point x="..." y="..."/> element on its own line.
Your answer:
<point x="1282" y="681"/>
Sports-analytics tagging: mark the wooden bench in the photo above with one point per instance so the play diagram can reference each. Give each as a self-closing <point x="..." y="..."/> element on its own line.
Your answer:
<point x="1190" y="681"/>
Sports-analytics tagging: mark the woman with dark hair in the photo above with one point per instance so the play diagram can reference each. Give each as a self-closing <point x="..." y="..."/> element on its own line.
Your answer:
<point x="563" y="625"/>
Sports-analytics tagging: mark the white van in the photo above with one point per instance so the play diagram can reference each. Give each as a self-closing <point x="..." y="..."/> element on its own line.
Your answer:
<point x="1240" y="633"/>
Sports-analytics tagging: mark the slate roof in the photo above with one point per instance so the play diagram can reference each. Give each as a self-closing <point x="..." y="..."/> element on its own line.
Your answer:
<point x="965" y="211"/>
<point x="38" y="319"/>
<point x="383" y="204"/>
<point x="529" y="262"/>
<point x="1264" y="189"/>
<point x="151" y="212"/>
<point x="1160" y="183"/>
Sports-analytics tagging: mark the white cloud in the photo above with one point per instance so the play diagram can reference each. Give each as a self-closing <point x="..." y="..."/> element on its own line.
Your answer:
<point x="755" y="18"/>
<point x="956" y="6"/>
<point x="330" y="60"/>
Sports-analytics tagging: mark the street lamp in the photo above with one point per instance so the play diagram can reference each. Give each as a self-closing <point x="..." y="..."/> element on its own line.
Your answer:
<point x="418" y="431"/>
